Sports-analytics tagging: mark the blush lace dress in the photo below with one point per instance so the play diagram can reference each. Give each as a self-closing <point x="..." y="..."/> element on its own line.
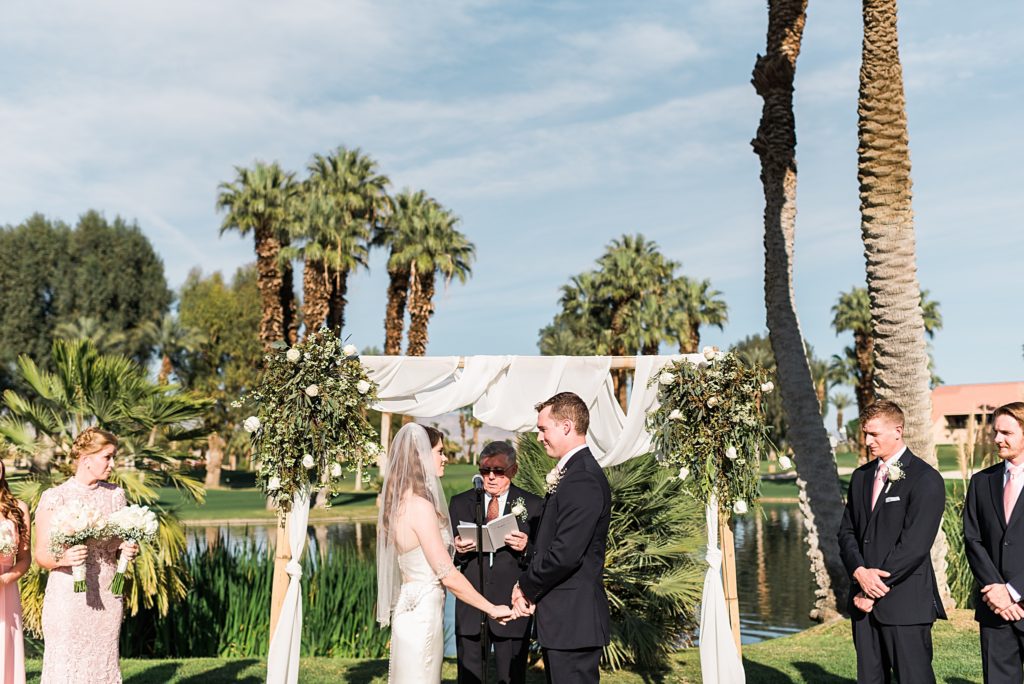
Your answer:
<point x="81" y="630"/>
<point x="12" y="641"/>
<point x="417" y="633"/>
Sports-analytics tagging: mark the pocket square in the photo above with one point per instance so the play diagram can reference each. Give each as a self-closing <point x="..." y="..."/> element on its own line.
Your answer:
<point x="890" y="499"/>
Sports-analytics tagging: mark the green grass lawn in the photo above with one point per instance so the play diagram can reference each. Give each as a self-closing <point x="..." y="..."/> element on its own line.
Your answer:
<point x="820" y="655"/>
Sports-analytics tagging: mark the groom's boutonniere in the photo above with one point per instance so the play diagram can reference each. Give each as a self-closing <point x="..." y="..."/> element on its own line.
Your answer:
<point x="519" y="509"/>
<point x="895" y="475"/>
<point x="552" y="479"/>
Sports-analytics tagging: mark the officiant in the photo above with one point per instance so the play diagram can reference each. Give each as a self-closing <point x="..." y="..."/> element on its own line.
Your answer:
<point x="501" y="568"/>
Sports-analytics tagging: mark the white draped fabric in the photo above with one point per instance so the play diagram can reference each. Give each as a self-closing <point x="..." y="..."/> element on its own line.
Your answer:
<point x="285" y="643"/>
<point x="504" y="389"/>
<point x="719" y="661"/>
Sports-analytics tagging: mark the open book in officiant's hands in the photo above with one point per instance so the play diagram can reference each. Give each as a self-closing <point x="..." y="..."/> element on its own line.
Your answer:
<point x="494" y="532"/>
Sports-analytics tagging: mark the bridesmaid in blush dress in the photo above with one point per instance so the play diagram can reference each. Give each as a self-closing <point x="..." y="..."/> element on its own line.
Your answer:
<point x="81" y="630"/>
<point x="14" y="519"/>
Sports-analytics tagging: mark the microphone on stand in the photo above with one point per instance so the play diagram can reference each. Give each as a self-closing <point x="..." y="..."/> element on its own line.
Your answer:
<point x="478" y="487"/>
<point x="478" y="483"/>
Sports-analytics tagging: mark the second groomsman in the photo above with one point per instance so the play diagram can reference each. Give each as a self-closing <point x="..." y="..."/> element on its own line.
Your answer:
<point x="994" y="542"/>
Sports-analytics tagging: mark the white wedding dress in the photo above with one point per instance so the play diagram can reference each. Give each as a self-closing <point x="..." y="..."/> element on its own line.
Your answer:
<point x="417" y="631"/>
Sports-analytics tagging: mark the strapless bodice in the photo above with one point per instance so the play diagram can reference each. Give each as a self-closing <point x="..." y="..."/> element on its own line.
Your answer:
<point x="415" y="568"/>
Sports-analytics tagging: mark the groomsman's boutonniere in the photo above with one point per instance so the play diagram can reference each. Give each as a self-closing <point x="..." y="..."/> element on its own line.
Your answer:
<point x="552" y="479"/>
<point x="519" y="509"/>
<point x="895" y="475"/>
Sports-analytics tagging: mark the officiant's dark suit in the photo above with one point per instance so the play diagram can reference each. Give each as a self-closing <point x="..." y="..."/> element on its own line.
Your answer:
<point x="511" y="641"/>
<point x="995" y="550"/>
<point x="565" y="578"/>
<point x="893" y="633"/>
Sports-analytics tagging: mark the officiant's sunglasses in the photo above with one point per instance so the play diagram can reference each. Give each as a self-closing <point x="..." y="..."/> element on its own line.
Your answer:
<point x="487" y="471"/>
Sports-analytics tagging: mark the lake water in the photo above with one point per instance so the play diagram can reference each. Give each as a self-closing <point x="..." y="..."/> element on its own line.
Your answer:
<point x="776" y="588"/>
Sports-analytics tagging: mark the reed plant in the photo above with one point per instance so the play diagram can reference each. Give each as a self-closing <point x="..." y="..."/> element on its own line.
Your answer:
<point x="226" y="611"/>
<point x="958" y="571"/>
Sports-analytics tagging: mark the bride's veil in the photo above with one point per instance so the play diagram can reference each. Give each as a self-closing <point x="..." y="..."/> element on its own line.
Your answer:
<point x="409" y="468"/>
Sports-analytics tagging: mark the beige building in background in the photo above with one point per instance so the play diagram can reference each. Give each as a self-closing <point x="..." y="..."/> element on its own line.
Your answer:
<point x="953" y="404"/>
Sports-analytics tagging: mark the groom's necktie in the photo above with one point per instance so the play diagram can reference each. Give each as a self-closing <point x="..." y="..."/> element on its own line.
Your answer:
<point x="1012" y="489"/>
<point x="492" y="509"/>
<point x="880" y="476"/>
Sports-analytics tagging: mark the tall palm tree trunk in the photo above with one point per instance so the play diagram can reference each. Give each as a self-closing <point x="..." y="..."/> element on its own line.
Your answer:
<point x="421" y="308"/>
<point x="887" y="227"/>
<point x="316" y="295"/>
<point x="775" y="144"/>
<point x="694" y="342"/>
<point x="270" y="281"/>
<point x="166" y="368"/>
<point x="339" y="288"/>
<point x="864" y="349"/>
<point x="289" y="307"/>
<point x="394" y="317"/>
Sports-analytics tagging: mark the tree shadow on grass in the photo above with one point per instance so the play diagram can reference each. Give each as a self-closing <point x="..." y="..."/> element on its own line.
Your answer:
<point x="161" y="673"/>
<point x="366" y="671"/>
<point x="960" y="680"/>
<point x="813" y="672"/>
<point x="229" y="672"/>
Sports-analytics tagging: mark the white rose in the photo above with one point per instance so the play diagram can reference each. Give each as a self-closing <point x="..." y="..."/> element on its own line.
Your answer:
<point x="731" y="453"/>
<point x="363" y="386"/>
<point x="307" y="461"/>
<point x="785" y="462"/>
<point x="768" y="387"/>
<point x="709" y="353"/>
<point x="518" y="510"/>
<point x="312" y="391"/>
<point x="666" y="378"/>
<point x="350" y="350"/>
<point x="293" y="355"/>
<point x="712" y="402"/>
<point x="273" y="484"/>
<point x="684" y="473"/>
<point x="251" y="424"/>
<point x="552" y="477"/>
<point x="335" y="469"/>
<point x="740" y="507"/>
<point x="675" y="414"/>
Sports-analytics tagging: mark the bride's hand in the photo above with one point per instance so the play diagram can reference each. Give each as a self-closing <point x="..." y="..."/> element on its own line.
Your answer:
<point x="501" y="613"/>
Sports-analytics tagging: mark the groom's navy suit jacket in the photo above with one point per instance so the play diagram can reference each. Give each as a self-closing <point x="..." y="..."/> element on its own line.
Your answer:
<point x="500" y="576"/>
<point x="565" y="575"/>
<point x="896" y="537"/>
<point x="995" y="548"/>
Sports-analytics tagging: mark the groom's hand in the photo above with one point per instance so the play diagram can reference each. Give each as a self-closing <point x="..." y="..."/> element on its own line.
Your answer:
<point x="516" y="540"/>
<point x="520" y="604"/>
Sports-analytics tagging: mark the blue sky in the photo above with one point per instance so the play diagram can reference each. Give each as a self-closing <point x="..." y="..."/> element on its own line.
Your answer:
<point x="548" y="127"/>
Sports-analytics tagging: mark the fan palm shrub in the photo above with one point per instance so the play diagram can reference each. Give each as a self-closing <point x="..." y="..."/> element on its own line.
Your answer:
<point x="156" y="425"/>
<point x="653" y="575"/>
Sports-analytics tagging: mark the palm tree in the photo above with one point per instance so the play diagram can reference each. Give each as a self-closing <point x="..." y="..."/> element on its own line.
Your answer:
<point x="345" y="200"/>
<point x="87" y="388"/>
<point x="171" y="339"/>
<point x="105" y="340"/>
<point x="902" y="371"/>
<point x="440" y="248"/>
<point x="264" y="200"/>
<point x="852" y="313"/>
<point x="701" y="305"/>
<point x="399" y="233"/>
<point x="840" y="402"/>
<point x="775" y="144"/>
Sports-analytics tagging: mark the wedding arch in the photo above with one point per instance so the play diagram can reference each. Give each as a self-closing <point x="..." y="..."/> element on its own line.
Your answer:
<point x="502" y="391"/>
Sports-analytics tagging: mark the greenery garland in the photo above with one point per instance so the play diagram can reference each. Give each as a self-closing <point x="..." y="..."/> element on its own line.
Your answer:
<point x="310" y="426"/>
<point x="711" y="425"/>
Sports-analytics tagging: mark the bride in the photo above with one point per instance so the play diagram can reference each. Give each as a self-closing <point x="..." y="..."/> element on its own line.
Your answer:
<point x="414" y="558"/>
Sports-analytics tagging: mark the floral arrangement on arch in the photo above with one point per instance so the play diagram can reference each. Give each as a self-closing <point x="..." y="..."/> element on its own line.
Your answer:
<point x="711" y="425"/>
<point x="310" y="425"/>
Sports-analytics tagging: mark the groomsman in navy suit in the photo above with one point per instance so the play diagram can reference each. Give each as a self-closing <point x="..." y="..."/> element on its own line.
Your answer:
<point x="565" y="578"/>
<point x="994" y="542"/>
<point x="893" y="510"/>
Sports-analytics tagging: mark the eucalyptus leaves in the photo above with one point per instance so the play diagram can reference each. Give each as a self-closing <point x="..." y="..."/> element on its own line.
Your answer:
<point x="710" y="425"/>
<point x="310" y="423"/>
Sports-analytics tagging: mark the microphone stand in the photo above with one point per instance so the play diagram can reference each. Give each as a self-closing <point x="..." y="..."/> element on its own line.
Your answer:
<point x="480" y="564"/>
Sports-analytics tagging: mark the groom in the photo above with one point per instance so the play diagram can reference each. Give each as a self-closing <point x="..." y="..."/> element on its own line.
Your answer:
<point x="564" y="581"/>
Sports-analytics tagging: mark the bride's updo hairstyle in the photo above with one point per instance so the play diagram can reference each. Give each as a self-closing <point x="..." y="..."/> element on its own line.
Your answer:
<point x="91" y="440"/>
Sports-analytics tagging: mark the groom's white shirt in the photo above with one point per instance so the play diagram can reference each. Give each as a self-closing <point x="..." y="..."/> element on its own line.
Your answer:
<point x="562" y="462"/>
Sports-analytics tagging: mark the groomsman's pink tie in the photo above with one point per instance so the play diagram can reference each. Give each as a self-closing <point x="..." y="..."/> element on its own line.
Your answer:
<point x="1012" y="488"/>
<point x="880" y="476"/>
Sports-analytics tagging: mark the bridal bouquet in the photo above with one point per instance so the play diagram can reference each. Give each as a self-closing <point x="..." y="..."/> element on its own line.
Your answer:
<point x="7" y="547"/>
<point x="75" y="524"/>
<point x="132" y="524"/>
